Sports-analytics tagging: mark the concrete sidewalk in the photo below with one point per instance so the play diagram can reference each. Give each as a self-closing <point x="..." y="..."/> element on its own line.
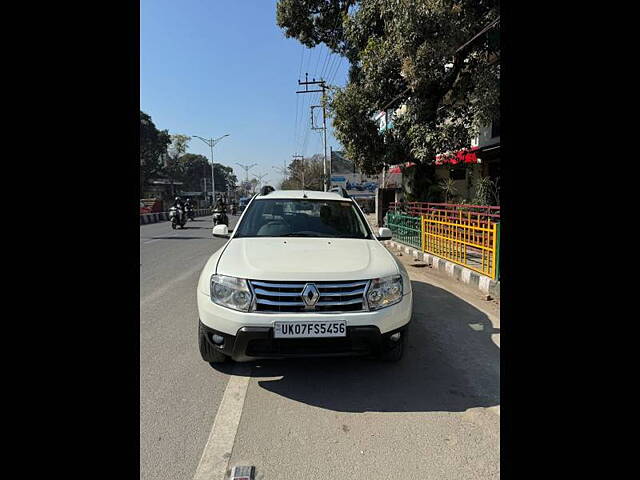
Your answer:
<point x="419" y="271"/>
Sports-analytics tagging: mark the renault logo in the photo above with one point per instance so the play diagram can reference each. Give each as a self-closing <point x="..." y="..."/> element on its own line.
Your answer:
<point x="310" y="295"/>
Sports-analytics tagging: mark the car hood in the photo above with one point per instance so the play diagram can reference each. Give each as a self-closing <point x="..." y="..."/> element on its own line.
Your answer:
<point x="308" y="259"/>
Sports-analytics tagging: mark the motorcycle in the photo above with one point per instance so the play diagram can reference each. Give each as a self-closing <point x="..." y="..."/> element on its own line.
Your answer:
<point x="190" y="213"/>
<point x="220" y="218"/>
<point x="177" y="217"/>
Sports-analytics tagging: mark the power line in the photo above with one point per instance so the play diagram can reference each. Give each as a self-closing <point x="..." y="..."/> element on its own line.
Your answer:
<point x="330" y="66"/>
<point x="302" y="139"/>
<point x="295" y="124"/>
<point x="301" y="60"/>
<point x="324" y="64"/>
<point x="319" y="55"/>
<point x="338" y="65"/>
<point x="322" y="90"/>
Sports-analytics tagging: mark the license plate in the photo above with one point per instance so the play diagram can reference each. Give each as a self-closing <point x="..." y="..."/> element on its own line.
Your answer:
<point x="336" y="328"/>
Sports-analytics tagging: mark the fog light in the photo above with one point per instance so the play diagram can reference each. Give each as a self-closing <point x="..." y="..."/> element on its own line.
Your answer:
<point x="217" y="339"/>
<point x="395" y="337"/>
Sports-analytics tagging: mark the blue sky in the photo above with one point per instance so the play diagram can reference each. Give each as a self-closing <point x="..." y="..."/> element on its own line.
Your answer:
<point x="214" y="67"/>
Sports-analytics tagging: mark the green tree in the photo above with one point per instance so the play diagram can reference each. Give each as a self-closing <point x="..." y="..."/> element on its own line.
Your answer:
<point x="314" y="21"/>
<point x="414" y="53"/>
<point x="311" y="170"/>
<point x="153" y="145"/>
<point x="173" y="167"/>
<point x="224" y="177"/>
<point x="194" y="168"/>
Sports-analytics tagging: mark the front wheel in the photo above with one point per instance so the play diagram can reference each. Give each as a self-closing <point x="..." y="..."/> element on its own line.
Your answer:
<point x="173" y="225"/>
<point x="396" y="351"/>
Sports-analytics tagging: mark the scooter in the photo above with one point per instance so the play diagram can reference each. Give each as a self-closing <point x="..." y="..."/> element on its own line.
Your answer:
<point x="177" y="217"/>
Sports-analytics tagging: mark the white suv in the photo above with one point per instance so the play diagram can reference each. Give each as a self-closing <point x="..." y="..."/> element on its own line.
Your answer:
<point x="302" y="275"/>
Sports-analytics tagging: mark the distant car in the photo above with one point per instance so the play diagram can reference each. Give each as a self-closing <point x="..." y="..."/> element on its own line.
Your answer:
<point x="144" y="208"/>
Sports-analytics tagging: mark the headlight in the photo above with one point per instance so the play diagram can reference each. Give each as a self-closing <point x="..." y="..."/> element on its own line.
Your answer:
<point x="231" y="292"/>
<point x="384" y="292"/>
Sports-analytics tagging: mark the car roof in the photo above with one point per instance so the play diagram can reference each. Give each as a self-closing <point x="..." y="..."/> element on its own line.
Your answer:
<point x="310" y="195"/>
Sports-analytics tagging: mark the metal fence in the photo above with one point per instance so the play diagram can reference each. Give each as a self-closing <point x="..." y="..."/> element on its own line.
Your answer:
<point x="468" y="235"/>
<point x="405" y="228"/>
<point x="467" y="243"/>
<point x="485" y="212"/>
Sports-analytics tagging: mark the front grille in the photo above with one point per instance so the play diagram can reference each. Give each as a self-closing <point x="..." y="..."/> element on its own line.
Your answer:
<point x="286" y="296"/>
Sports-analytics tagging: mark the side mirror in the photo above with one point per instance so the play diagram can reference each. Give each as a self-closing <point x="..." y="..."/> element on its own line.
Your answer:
<point x="384" y="234"/>
<point x="221" y="231"/>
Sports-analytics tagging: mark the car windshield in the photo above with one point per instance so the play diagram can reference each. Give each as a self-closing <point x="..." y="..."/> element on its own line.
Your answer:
<point x="289" y="217"/>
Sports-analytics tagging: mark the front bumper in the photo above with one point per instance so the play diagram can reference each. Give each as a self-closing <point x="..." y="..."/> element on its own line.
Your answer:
<point x="252" y="343"/>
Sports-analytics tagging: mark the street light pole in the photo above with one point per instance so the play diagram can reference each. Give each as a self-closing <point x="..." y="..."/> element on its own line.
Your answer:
<point x="212" y="143"/>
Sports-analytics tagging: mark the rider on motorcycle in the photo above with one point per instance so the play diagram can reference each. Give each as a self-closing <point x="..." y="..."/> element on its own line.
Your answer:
<point x="179" y="204"/>
<point x="188" y="206"/>
<point x="220" y="208"/>
<point x="220" y="204"/>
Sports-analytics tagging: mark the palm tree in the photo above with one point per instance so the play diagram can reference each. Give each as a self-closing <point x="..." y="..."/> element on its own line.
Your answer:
<point x="446" y="185"/>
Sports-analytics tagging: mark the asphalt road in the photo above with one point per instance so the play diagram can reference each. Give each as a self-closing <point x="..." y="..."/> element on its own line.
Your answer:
<point x="179" y="393"/>
<point x="433" y="415"/>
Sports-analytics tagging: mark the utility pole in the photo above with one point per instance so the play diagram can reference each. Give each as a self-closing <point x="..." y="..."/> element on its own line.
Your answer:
<point x="260" y="177"/>
<point x="212" y="143"/>
<point x="246" y="169"/>
<point x="323" y="88"/>
<point x="204" y="180"/>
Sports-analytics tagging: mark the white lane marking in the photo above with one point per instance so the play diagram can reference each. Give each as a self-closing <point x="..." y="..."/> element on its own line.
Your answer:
<point x="217" y="452"/>
<point x="160" y="291"/>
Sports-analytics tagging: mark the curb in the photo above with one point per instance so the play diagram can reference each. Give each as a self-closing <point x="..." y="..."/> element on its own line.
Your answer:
<point x="147" y="218"/>
<point x="460" y="273"/>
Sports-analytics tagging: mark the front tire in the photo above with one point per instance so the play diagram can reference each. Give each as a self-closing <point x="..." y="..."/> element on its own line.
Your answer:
<point x="396" y="352"/>
<point x="173" y="225"/>
<point x="208" y="352"/>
